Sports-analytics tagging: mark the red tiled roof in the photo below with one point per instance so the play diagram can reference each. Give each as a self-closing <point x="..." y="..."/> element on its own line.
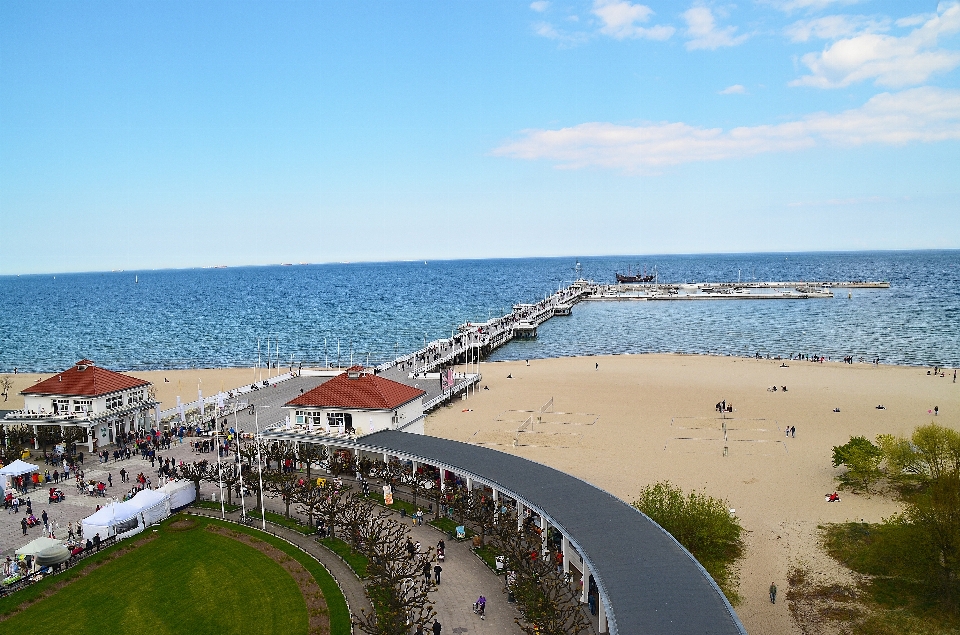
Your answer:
<point x="367" y="392"/>
<point x="93" y="381"/>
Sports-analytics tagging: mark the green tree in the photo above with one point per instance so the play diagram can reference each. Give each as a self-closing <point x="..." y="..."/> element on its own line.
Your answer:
<point x="702" y="524"/>
<point x="862" y="460"/>
<point x="936" y="514"/>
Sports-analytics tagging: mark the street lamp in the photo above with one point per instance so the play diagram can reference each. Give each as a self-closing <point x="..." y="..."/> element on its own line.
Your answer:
<point x="263" y="498"/>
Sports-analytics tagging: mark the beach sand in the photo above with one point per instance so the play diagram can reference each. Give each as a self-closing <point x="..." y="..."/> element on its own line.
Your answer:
<point x="639" y="419"/>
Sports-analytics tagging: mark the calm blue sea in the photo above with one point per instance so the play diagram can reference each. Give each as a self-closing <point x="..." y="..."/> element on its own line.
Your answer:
<point x="214" y="317"/>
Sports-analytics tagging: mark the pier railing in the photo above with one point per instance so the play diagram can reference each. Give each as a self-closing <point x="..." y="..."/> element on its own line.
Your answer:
<point x="474" y="341"/>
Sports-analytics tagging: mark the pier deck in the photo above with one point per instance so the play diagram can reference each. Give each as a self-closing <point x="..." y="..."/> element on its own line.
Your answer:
<point x="474" y="341"/>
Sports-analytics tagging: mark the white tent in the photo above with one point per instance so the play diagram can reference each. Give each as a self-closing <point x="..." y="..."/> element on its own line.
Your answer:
<point x="119" y="519"/>
<point x="18" y="468"/>
<point x="129" y="517"/>
<point x="15" y="469"/>
<point x="153" y="505"/>
<point x="181" y="493"/>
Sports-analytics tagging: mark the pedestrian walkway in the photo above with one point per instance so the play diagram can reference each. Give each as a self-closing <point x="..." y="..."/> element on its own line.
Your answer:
<point x="465" y="578"/>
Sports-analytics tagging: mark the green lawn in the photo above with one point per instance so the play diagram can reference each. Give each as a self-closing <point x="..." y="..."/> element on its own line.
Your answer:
<point x="489" y="555"/>
<point x="229" y="508"/>
<point x="190" y="581"/>
<point x="293" y="522"/>
<point x="357" y="561"/>
<point x="449" y="526"/>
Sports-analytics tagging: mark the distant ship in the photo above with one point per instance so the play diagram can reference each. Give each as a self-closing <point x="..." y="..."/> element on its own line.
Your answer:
<point x="638" y="277"/>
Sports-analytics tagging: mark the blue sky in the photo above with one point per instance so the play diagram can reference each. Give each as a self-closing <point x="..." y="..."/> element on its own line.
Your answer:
<point x="177" y="134"/>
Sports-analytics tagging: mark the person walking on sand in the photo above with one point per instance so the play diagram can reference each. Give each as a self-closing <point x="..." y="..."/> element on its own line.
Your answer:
<point x="773" y="593"/>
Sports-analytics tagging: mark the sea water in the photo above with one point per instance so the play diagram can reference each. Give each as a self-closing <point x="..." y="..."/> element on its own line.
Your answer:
<point x="370" y="312"/>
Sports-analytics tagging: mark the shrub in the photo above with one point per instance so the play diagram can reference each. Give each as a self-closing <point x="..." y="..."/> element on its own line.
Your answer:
<point x="702" y="524"/>
<point x="862" y="460"/>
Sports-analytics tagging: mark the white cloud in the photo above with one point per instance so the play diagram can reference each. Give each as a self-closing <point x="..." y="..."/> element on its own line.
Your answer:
<point x="888" y="60"/>
<point x="620" y="20"/>
<point x="832" y="27"/>
<point x="703" y="33"/>
<point x="789" y="6"/>
<point x="924" y="114"/>
<point x="736" y="89"/>
<point x="539" y="6"/>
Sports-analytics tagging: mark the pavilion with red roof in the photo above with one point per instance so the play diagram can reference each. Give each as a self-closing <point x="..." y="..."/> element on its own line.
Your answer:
<point x="358" y="402"/>
<point x="102" y="402"/>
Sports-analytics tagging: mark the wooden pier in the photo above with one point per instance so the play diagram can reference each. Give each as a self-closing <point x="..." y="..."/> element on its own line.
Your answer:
<point x="475" y="341"/>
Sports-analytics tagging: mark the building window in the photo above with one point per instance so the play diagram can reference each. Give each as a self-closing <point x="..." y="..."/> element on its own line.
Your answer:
<point x="114" y="401"/>
<point x="134" y="397"/>
<point x="82" y="405"/>
<point x="340" y="419"/>
<point x="61" y="406"/>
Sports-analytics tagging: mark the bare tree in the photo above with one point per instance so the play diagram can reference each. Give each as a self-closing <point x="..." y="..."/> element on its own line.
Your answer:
<point x="227" y="473"/>
<point x="6" y="383"/>
<point x="397" y="588"/>
<point x="482" y="512"/>
<point x="282" y="484"/>
<point x="195" y="472"/>
<point x="357" y="515"/>
<point x="549" y="604"/>
<point x="310" y="453"/>
<point x="416" y="481"/>
<point x="333" y="502"/>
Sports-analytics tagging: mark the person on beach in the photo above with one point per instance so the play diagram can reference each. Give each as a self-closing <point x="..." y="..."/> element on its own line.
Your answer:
<point x="773" y="593"/>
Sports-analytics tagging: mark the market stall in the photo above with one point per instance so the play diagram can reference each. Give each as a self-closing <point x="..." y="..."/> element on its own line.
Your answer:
<point x="10" y="473"/>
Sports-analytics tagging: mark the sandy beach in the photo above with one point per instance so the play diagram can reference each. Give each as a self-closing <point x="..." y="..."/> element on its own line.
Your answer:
<point x="622" y="422"/>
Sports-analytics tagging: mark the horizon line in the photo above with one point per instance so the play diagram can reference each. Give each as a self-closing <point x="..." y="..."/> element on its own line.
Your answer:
<point x="428" y="260"/>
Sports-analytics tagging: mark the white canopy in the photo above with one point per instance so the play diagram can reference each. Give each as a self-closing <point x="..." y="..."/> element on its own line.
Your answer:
<point x="37" y="545"/>
<point x="106" y="521"/>
<point x="181" y="493"/>
<point x="148" y="498"/>
<point x="128" y="517"/>
<point x="18" y="468"/>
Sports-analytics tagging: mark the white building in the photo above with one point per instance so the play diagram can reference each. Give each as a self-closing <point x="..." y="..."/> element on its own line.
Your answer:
<point x="357" y="403"/>
<point x="102" y="402"/>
